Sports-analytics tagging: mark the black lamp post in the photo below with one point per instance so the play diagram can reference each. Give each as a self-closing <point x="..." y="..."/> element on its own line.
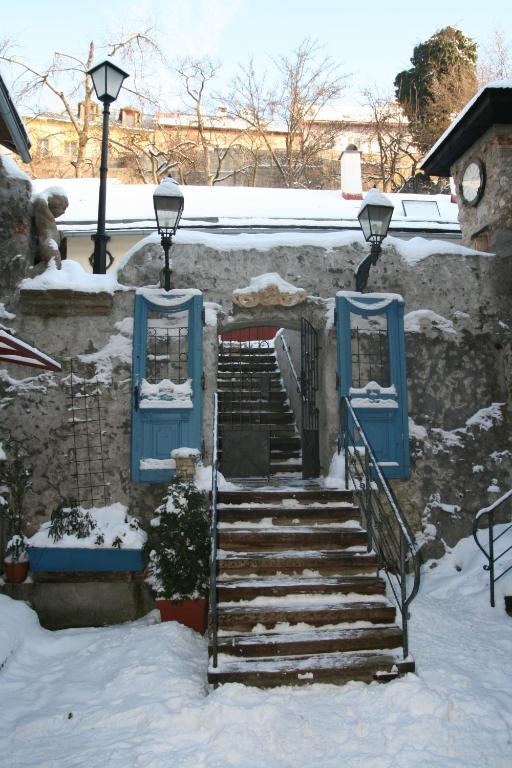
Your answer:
<point x="107" y="79"/>
<point x="374" y="217"/>
<point x="168" y="201"/>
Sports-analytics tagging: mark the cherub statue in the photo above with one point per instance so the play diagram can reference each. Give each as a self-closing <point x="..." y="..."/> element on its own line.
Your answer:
<point x="46" y="207"/>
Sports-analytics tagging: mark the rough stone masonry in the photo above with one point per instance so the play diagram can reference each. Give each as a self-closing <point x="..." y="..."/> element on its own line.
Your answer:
<point x="458" y="321"/>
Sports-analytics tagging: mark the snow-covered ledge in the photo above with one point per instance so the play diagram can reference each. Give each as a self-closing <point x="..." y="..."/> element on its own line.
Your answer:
<point x="268" y="290"/>
<point x="68" y="291"/>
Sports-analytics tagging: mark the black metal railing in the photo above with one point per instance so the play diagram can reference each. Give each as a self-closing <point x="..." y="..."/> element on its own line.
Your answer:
<point x="286" y="350"/>
<point x="214" y="618"/>
<point x="389" y="534"/>
<point x="488" y="515"/>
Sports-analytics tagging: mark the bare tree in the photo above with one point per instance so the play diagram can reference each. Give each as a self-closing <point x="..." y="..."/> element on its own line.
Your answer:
<point x="288" y="115"/>
<point x="219" y="141"/>
<point x="388" y="130"/>
<point x="66" y="78"/>
<point x="496" y="61"/>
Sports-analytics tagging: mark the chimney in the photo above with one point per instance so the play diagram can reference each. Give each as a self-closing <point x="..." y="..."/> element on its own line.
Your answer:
<point x="351" y="183"/>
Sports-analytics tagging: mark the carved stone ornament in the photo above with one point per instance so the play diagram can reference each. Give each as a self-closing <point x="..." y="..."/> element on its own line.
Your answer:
<point x="268" y="290"/>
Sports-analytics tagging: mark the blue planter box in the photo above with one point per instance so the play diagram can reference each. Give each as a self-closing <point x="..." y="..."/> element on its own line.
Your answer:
<point x="55" y="559"/>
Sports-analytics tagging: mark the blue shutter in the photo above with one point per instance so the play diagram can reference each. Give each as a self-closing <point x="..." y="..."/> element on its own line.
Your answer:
<point x="381" y="407"/>
<point x="166" y="380"/>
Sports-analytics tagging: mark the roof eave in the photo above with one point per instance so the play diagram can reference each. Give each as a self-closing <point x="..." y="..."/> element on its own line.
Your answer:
<point x="12" y="131"/>
<point x="492" y="106"/>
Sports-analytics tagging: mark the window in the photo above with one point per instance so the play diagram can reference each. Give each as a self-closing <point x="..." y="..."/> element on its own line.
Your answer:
<point x="167" y="347"/>
<point x="370" y="350"/>
<point x="70" y="148"/>
<point x="43" y="145"/>
<point x="421" y="209"/>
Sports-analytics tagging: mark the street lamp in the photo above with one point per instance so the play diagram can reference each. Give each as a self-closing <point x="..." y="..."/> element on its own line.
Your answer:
<point x="107" y="79"/>
<point x="168" y="201"/>
<point x="374" y="217"/>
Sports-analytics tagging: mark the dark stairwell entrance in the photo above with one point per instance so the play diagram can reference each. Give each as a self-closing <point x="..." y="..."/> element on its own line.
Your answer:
<point x="260" y="434"/>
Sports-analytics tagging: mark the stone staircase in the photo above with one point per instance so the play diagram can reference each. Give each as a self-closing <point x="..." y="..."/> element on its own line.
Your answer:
<point x="299" y="598"/>
<point x="251" y="393"/>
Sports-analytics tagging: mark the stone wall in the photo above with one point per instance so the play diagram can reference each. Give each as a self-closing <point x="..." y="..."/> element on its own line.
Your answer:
<point x="458" y="320"/>
<point x="15" y="193"/>
<point x="494" y="210"/>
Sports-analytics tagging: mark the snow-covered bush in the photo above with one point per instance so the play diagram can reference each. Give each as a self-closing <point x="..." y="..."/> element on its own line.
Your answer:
<point x="15" y="478"/>
<point x="102" y="527"/>
<point x="178" y="564"/>
<point x="16" y="549"/>
<point x="70" y="521"/>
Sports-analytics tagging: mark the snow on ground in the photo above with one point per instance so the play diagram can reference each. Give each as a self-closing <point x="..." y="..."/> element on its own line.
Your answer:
<point x="135" y="695"/>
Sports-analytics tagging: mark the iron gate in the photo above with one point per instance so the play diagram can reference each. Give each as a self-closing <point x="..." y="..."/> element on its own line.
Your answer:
<point x="245" y="373"/>
<point x="309" y="388"/>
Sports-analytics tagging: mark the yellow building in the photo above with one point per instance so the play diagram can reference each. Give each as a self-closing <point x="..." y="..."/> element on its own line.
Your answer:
<point x="211" y="149"/>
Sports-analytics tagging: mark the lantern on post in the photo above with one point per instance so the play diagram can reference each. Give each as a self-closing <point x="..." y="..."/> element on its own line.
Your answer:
<point x="374" y="218"/>
<point x="107" y="79"/>
<point x="168" y="201"/>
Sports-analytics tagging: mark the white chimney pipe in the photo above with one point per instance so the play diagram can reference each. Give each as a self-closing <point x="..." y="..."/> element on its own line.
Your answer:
<point x="351" y="182"/>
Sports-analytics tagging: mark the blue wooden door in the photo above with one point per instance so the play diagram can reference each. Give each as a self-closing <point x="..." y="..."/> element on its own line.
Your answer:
<point x="371" y="369"/>
<point x="166" y="380"/>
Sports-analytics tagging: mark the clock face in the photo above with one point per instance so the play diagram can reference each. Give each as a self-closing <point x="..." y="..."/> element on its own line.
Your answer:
<point x="473" y="182"/>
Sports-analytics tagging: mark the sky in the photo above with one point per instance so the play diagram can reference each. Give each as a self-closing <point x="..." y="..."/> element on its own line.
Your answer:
<point x="371" y="42"/>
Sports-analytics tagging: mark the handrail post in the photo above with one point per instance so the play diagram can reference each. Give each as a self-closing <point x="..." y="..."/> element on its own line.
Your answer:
<point x="403" y="595"/>
<point x="344" y="422"/>
<point x="213" y="538"/>
<point x="368" y="497"/>
<point x="392" y="551"/>
<point x="491" y="555"/>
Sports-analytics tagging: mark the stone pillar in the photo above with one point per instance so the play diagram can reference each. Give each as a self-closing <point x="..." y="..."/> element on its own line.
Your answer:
<point x="186" y="460"/>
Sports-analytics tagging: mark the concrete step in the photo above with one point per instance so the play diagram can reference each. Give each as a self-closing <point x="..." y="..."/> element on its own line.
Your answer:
<point x="255" y="417"/>
<point x="293" y="537"/>
<point x="243" y="617"/>
<point x="231" y="590"/>
<point x="323" y="562"/>
<point x="289" y="514"/>
<point x="263" y="350"/>
<point x="301" y="496"/>
<point x="234" y="403"/>
<point x="311" y="642"/>
<point x="324" y="668"/>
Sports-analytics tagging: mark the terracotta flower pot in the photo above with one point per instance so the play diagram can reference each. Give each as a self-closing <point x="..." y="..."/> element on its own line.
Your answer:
<point x="191" y="613"/>
<point x="15" y="573"/>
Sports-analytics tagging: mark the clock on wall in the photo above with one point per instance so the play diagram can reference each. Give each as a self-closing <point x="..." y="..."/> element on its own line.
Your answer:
<point x="473" y="182"/>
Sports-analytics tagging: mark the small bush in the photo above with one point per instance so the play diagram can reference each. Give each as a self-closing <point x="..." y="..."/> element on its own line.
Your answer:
<point x="179" y="562"/>
<point x="70" y="521"/>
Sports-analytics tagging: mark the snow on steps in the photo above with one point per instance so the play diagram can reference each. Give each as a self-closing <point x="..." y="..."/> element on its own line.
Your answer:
<point x="307" y="641"/>
<point x="334" y="668"/>
<point x="299" y="597"/>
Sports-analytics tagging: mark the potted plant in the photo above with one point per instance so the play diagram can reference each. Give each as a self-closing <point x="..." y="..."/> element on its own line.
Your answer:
<point x="100" y="539"/>
<point x="15" y="481"/>
<point x="179" y="561"/>
<point x="16" y="559"/>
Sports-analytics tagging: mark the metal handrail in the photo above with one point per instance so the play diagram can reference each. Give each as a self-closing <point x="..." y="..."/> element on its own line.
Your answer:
<point x="214" y="617"/>
<point x="286" y="349"/>
<point x="389" y="533"/>
<point x="490" y="555"/>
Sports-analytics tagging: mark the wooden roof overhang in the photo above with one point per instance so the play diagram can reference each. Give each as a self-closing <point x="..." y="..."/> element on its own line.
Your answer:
<point x="491" y="106"/>
<point x="12" y="131"/>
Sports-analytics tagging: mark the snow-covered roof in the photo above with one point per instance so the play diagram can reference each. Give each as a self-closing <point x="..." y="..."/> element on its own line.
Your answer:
<point x="130" y="208"/>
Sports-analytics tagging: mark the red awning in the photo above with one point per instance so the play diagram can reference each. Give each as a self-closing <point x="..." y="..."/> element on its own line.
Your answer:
<point x="13" y="350"/>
